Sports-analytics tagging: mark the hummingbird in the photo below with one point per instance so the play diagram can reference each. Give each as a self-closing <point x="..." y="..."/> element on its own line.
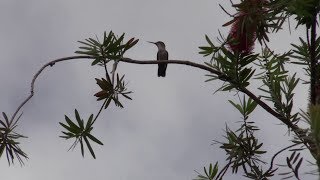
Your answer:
<point x="161" y="55"/>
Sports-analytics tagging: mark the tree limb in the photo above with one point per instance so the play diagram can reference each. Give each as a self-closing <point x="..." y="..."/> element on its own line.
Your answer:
<point x="51" y="63"/>
<point x="221" y="76"/>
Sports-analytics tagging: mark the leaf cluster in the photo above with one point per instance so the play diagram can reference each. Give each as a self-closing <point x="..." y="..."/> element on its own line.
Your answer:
<point x="234" y="66"/>
<point x="110" y="92"/>
<point x="9" y="140"/>
<point x="81" y="132"/>
<point x="293" y="163"/>
<point x="241" y="150"/>
<point x="301" y="53"/>
<point x="245" y="107"/>
<point x="303" y="10"/>
<point x="208" y="175"/>
<point x="111" y="48"/>
<point x="277" y="84"/>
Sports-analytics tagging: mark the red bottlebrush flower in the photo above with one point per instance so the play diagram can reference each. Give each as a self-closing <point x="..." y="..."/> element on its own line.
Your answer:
<point x="244" y="26"/>
<point x="242" y="36"/>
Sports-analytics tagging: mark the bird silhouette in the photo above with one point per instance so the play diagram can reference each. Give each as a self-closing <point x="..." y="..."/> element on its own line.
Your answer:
<point x="161" y="55"/>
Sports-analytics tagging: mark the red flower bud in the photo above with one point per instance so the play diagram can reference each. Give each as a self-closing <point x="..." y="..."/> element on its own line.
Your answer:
<point x="244" y="26"/>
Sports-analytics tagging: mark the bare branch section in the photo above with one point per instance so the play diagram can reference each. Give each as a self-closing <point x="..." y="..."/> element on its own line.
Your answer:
<point x="222" y="76"/>
<point x="51" y="63"/>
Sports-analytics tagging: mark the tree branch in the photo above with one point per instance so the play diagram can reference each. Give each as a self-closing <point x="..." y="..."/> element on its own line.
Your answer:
<point x="313" y="61"/>
<point x="221" y="76"/>
<point x="51" y="63"/>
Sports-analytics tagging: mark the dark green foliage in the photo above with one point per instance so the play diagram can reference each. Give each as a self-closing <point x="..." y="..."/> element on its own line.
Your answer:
<point x="111" y="48"/>
<point x="245" y="107"/>
<point x="279" y="86"/>
<point x="242" y="147"/>
<point x="302" y="54"/>
<point x="208" y="175"/>
<point x="293" y="163"/>
<point x="8" y="140"/>
<point x="234" y="66"/>
<point x="110" y="92"/>
<point x="81" y="132"/>
<point x="302" y="10"/>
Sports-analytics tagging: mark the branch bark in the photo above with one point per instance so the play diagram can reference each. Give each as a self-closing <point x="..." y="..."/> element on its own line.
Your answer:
<point x="221" y="76"/>
<point x="51" y="63"/>
<point x="313" y="61"/>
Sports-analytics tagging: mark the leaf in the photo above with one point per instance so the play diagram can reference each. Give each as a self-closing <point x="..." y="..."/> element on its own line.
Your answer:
<point x="238" y="106"/>
<point x="209" y="41"/>
<point x="126" y="96"/>
<point x="89" y="147"/>
<point x="89" y="122"/>
<point x="66" y="127"/>
<point x="94" y="139"/>
<point x="296" y="169"/>
<point x="230" y="22"/>
<point x="6" y="118"/>
<point x="81" y="147"/>
<point x="72" y="126"/>
<point x="80" y="122"/>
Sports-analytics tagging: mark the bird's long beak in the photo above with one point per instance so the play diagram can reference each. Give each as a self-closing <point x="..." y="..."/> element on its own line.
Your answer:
<point x="151" y="42"/>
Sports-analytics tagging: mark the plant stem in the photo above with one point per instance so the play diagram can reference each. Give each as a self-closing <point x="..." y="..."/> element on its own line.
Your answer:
<point x="313" y="61"/>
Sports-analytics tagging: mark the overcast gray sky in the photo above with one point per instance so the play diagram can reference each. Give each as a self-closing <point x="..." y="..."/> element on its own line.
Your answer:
<point x="164" y="133"/>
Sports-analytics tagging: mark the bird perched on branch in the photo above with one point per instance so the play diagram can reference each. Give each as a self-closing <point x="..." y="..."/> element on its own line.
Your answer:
<point x="161" y="55"/>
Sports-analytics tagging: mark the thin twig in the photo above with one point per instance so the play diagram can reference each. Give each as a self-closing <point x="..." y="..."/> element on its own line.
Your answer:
<point x="224" y="170"/>
<point x="275" y="155"/>
<point x="103" y="104"/>
<point x="106" y="70"/>
<point x="225" y="11"/>
<point x="114" y="68"/>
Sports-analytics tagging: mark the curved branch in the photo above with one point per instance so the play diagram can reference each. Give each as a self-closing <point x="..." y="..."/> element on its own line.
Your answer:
<point x="182" y="62"/>
<point x="51" y="63"/>
<point x="221" y="77"/>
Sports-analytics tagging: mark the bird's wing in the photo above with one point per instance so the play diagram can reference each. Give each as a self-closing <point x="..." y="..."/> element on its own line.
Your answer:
<point x="162" y="55"/>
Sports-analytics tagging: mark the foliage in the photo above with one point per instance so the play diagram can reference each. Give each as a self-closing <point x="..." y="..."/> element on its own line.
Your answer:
<point x="237" y="69"/>
<point x="234" y="62"/>
<point x="112" y="48"/>
<point x="108" y="92"/>
<point x="208" y="175"/>
<point x="8" y="140"/>
<point x="81" y="132"/>
<point x="293" y="163"/>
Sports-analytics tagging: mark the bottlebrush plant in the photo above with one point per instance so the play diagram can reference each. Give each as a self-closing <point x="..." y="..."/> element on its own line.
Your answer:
<point x="248" y="24"/>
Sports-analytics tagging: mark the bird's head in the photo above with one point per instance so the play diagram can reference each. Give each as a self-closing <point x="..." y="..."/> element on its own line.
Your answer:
<point x="159" y="44"/>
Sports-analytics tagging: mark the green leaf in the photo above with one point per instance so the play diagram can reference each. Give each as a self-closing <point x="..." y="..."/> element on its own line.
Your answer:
<point x="238" y="106"/>
<point x="215" y="171"/>
<point x="209" y="41"/>
<point x="126" y="96"/>
<point x="107" y="102"/>
<point x="81" y="147"/>
<point x="89" y="122"/>
<point x="66" y="127"/>
<point x="80" y="122"/>
<point x="6" y="118"/>
<point x="73" y="127"/>
<point x="89" y="147"/>
<point x="94" y="139"/>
